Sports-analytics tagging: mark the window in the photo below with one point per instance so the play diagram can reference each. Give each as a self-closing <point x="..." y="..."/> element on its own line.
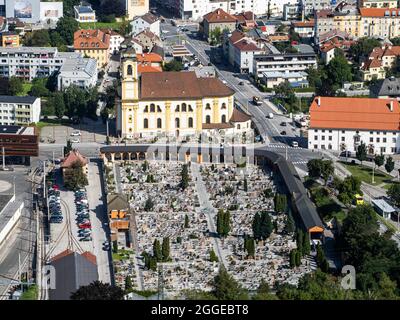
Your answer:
<point x="330" y="138"/>
<point x="152" y="108"/>
<point x="145" y="123"/>
<point x="129" y="70"/>
<point x="223" y="118"/>
<point x="177" y="108"/>
<point x="371" y="139"/>
<point x="208" y="107"/>
<point x="158" y="109"/>
<point x="315" y="146"/>
<point x="223" y="106"/>
<point x="159" y="123"/>
<point x="378" y="140"/>
<point x="323" y="138"/>
<point x="183" y="107"/>
<point x="315" y="137"/>
<point x="146" y="109"/>
<point x="343" y="139"/>
<point x="208" y="119"/>
<point x="190" y="108"/>
<point x="190" y="122"/>
<point x="177" y="123"/>
<point x="384" y="140"/>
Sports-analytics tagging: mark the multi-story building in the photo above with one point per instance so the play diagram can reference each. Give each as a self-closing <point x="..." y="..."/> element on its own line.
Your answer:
<point x="85" y="13"/>
<point x="217" y="19"/>
<point x="93" y="44"/>
<point x="148" y="40"/>
<point x="147" y="21"/>
<point x="342" y="124"/>
<point x="295" y="79"/>
<point x="380" y="59"/>
<point x="291" y="11"/>
<point x="136" y="8"/>
<point x="307" y="7"/>
<point x="32" y="62"/>
<point x="305" y="29"/>
<point x="115" y="40"/>
<point x="81" y="72"/>
<point x="10" y="39"/>
<point x="16" y="110"/>
<point x="171" y="103"/>
<point x="364" y="22"/>
<point x="20" y="142"/>
<point x="378" y="3"/>
<point x="283" y="62"/>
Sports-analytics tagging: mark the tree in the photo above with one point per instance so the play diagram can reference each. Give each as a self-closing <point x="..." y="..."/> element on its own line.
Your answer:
<point x="173" y="65"/>
<point x="98" y="291"/>
<point x="148" y="205"/>
<point x="213" y="256"/>
<point x="58" y="41"/>
<point x="389" y="165"/>
<point x="68" y="147"/>
<point x="298" y="258"/>
<point x="38" y="38"/>
<point x="306" y="244"/>
<point x="338" y="71"/>
<point x="68" y="7"/>
<point x="363" y="47"/>
<point x="76" y="177"/>
<point x="15" y="86"/>
<point x="292" y="258"/>
<point x="186" y="221"/>
<point x="215" y="36"/>
<point x="58" y="102"/>
<point x="165" y="249"/>
<point x="66" y="27"/>
<point x="128" y="284"/>
<point x="226" y="287"/>
<point x="223" y="223"/>
<point x="262" y="225"/>
<point x="394" y="193"/>
<point x="327" y="169"/>
<point x="39" y="88"/>
<point x="184" y="177"/>
<point x="157" y="253"/>
<point x="256" y="225"/>
<point x="300" y="241"/>
<point x="290" y="224"/>
<point x="249" y="247"/>
<point x="361" y="153"/>
<point x="379" y="160"/>
<point x="245" y="186"/>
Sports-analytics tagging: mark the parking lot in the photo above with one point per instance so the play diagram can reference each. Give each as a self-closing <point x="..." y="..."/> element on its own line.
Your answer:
<point x="89" y="131"/>
<point x="83" y="225"/>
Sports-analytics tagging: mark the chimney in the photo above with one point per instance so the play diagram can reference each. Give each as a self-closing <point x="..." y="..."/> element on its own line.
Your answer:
<point x="319" y="101"/>
<point x="391" y="106"/>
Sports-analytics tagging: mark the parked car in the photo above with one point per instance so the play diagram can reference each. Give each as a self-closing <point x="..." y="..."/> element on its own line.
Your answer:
<point x="86" y="239"/>
<point x="283" y="133"/>
<point x="76" y="133"/>
<point x="241" y="83"/>
<point x="283" y="124"/>
<point x="75" y="140"/>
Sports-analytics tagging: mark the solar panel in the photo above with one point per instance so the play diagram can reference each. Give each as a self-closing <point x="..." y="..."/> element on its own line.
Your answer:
<point x="9" y="129"/>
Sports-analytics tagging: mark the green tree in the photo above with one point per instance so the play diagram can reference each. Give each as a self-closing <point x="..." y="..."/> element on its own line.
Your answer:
<point x="213" y="256"/>
<point x="165" y="249"/>
<point x="249" y="247"/>
<point x="58" y="102"/>
<point x="394" y="193"/>
<point x="327" y="170"/>
<point x="226" y="287"/>
<point x="306" y="244"/>
<point x="115" y="246"/>
<point x="173" y="65"/>
<point x="300" y="240"/>
<point x="15" y="86"/>
<point x="58" y="41"/>
<point x="38" y="38"/>
<point x="157" y="252"/>
<point x="292" y="259"/>
<point x="389" y="165"/>
<point x="245" y="186"/>
<point x="256" y="226"/>
<point x="76" y="177"/>
<point x="66" y="27"/>
<point x="379" y="160"/>
<point x="338" y="71"/>
<point x="363" y="47"/>
<point x="98" y="291"/>
<point x="148" y="205"/>
<point x="215" y="36"/>
<point x="223" y="223"/>
<point x="39" y="88"/>
<point x="68" y="7"/>
<point x="361" y="153"/>
<point x="186" y="221"/>
<point x="280" y="201"/>
<point x="298" y="258"/>
<point x="184" y="177"/>
<point x="290" y="224"/>
<point x="128" y="284"/>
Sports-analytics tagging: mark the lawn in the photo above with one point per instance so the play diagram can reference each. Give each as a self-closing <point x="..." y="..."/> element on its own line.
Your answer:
<point x="100" y="25"/>
<point x="326" y="206"/>
<point x="121" y="255"/>
<point x="365" y="174"/>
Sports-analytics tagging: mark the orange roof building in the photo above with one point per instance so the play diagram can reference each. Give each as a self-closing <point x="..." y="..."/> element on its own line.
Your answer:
<point x="217" y="19"/>
<point x="149" y="62"/>
<point x="342" y="124"/>
<point x="93" y="44"/>
<point x="74" y="157"/>
<point x="380" y="59"/>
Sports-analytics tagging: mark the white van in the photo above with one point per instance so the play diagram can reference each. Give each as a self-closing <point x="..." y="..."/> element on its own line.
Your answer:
<point x="295" y="144"/>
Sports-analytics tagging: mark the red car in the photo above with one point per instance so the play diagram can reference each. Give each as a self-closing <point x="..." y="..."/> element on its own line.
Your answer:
<point x="55" y="187"/>
<point x="85" y="226"/>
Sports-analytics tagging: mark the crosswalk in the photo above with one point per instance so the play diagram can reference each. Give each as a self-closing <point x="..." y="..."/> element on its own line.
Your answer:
<point x="299" y="162"/>
<point x="281" y="146"/>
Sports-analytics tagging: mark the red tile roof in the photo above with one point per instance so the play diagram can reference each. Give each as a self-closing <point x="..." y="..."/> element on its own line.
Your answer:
<point x="236" y="36"/>
<point x="91" y="40"/>
<point x="304" y="24"/>
<point x="143" y="68"/>
<point x="239" y="116"/>
<point x="355" y="113"/>
<point x="72" y="157"/>
<point x="219" y="16"/>
<point x="149" y="57"/>
<point x="379" y="12"/>
<point x="246" y="45"/>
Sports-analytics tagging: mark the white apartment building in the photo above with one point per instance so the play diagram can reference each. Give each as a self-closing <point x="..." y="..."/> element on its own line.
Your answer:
<point x="32" y="62"/>
<point x="147" y="21"/>
<point x="115" y="41"/>
<point x="283" y="62"/>
<point x="309" y="6"/>
<point x="85" y="14"/>
<point x="80" y="72"/>
<point x="196" y="9"/>
<point x="19" y="110"/>
<point x="342" y="124"/>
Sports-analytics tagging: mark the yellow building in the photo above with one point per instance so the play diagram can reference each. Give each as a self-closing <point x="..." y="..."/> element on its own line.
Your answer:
<point x="173" y="103"/>
<point x="363" y="22"/>
<point x="93" y="44"/>
<point x="378" y="4"/>
<point x="10" y="39"/>
<point x="136" y="8"/>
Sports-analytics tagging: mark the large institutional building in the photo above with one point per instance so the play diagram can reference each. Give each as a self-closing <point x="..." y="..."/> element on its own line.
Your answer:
<point x="174" y="103"/>
<point x="342" y="124"/>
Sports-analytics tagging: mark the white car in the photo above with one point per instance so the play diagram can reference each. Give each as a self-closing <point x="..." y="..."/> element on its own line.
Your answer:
<point x="75" y="140"/>
<point x="75" y="133"/>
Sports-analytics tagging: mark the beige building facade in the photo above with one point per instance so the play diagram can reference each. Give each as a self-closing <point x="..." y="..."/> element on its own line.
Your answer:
<point x="136" y="8"/>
